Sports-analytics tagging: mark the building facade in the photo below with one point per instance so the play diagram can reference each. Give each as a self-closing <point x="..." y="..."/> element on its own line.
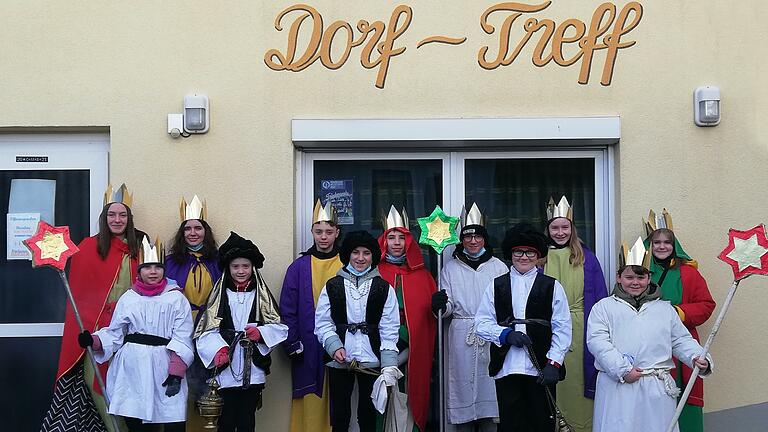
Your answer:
<point x="412" y="103"/>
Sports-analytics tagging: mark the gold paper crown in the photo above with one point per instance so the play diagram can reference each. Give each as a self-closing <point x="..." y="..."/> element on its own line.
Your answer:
<point x="325" y="213"/>
<point x="151" y="253"/>
<point x="474" y="217"/>
<point x="637" y="255"/>
<point x="196" y="209"/>
<point x="655" y="222"/>
<point x="395" y="219"/>
<point x="121" y="195"/>
<point x="562" y="209"/>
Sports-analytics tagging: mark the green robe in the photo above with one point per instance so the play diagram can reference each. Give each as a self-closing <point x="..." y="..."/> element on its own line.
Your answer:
<point x="576" y="408"/>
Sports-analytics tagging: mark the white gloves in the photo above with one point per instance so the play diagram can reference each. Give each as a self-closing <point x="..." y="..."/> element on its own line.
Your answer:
<point x="388" y="378"/>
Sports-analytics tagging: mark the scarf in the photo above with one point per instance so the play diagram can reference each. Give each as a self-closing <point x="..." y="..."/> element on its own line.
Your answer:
<point x="148" y="290"/>
<point x="651" y="293"/>
<point x="321" y="255"/>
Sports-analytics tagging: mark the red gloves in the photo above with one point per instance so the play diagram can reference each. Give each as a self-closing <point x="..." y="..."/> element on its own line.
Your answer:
<point x="176" y="365"/>
<point x="222" y="357"/>
<point x="253" y="333"/>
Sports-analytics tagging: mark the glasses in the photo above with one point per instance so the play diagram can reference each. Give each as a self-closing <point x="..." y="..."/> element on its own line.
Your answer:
<point x="528" y="253"/>
<point x="473" y="237"/>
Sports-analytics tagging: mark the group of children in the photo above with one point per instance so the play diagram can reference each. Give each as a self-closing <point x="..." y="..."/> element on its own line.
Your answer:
<point x="364" y="311"/>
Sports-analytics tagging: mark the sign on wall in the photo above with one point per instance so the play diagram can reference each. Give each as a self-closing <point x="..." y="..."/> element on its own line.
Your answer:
<point x="511" y="27"/>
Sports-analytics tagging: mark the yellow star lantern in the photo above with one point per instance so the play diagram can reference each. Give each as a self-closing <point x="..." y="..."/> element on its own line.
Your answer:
<point x="438" y="230"/>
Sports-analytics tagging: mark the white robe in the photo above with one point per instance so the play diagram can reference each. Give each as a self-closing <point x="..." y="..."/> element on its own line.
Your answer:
<point x="136" y="374"/>
<point x="621" y="337"/>
<point x="471" y="392"/>
<point x="210" y="342"/>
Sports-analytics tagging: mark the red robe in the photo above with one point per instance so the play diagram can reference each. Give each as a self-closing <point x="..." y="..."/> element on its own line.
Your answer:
<point x="418" y="287"/>
<point x="697" y="305"/>
<point x="91" y="278"/>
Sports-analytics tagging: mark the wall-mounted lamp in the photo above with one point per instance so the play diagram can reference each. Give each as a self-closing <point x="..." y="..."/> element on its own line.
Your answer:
<point x="194" y="120"/>
<point x="706" y="106"/>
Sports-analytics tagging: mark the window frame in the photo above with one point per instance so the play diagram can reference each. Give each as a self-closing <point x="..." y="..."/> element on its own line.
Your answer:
<point x="454" y="141"/>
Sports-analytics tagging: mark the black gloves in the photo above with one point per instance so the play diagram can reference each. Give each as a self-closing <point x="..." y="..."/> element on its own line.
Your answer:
<point x="172" y="385"/>
<point x="439" y="302"/>
<point x="85" y="339"/>
<point x="549" y="375"/>
<point x="518" y="339"/>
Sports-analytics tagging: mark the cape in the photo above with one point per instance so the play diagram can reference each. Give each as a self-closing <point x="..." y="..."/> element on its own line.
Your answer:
<point x="418" y="287"/>
<point x="594" y="291"/>
<point x="179" y="271"/>
<point x="297" y="309"/>
<point x="90" y="279"/>
<point x="697" y="305"/>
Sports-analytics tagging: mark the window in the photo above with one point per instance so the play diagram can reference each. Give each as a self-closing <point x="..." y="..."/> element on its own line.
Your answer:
<point x="517" y="165"/>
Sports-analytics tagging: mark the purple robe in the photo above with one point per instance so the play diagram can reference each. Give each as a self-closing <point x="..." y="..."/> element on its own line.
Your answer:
<point x="297" y="309"/>
<point x="594" y="291"/>
<point x="179" y="271"/>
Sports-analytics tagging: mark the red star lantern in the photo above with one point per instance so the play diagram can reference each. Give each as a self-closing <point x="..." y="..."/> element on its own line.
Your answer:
<point x="50" y="246"/>
<point x="747" y="252"/>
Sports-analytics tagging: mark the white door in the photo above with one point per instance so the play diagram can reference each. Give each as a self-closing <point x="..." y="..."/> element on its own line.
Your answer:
<point x="61" y="179"/>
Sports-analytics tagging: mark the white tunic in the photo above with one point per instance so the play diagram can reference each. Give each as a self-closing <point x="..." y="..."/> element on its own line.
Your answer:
<point x="210" y="342"/>
<point x="621" y="337"/>
<point x="471" y="393"/>
<point x="487" y="327"/>
<point x="357" y="345"/>
<point x="136" y="374"/>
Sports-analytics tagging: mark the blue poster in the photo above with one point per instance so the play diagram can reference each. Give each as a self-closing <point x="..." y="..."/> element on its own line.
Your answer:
<point x="339" y="193"/>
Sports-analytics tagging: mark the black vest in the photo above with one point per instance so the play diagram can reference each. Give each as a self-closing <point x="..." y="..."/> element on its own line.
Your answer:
<point x="539" y="306"/>
<point x="374" y="308"/>
<point x="227" y="330"/>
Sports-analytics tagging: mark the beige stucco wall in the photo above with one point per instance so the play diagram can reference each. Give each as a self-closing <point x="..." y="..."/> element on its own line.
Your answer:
<point x="128" y="65"/>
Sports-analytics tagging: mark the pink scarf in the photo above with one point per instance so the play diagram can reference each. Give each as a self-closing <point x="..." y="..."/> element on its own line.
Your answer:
<point x="149" y="290"/>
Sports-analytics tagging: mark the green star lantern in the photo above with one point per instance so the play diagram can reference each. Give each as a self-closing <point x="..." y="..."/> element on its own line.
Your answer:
<point x="438" y="230"/>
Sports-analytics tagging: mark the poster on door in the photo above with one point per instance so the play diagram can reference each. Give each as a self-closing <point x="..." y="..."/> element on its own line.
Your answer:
<point x="339" y="193"/>
<point x="21" y="226"/>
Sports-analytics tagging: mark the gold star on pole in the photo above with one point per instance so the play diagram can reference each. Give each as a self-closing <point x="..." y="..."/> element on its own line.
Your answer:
<point x="438" y="231"/>
<point x="52" y="246"/>
<point x="747" y="253"/>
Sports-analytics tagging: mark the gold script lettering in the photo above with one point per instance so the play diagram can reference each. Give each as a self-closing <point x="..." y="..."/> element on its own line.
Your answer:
<point x="287" y="61"/>
<point x="380" y="37"/>
<point x="553" y="37"/>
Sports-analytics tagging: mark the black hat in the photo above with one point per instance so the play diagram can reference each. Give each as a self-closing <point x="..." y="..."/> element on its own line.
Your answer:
<point x="238" y="247"/>
<point x="524" y="235"/>
<point x="356" y="239"/>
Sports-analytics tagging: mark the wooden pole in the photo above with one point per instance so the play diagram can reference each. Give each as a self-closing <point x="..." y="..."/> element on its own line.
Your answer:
<point x="695" y="373"/>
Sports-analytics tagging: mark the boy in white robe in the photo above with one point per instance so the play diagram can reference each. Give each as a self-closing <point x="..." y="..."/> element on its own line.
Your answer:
<point x="633" y="336"/>
<point x="150" y="337"/>
<point x="470" y="392"/>
<point x="239" y="328"/>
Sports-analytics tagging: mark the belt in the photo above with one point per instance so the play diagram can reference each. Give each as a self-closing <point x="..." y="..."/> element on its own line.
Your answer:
<point x="354" y="327"/>
<point x="146" y="339"/>
<point x="541" y="322"/>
